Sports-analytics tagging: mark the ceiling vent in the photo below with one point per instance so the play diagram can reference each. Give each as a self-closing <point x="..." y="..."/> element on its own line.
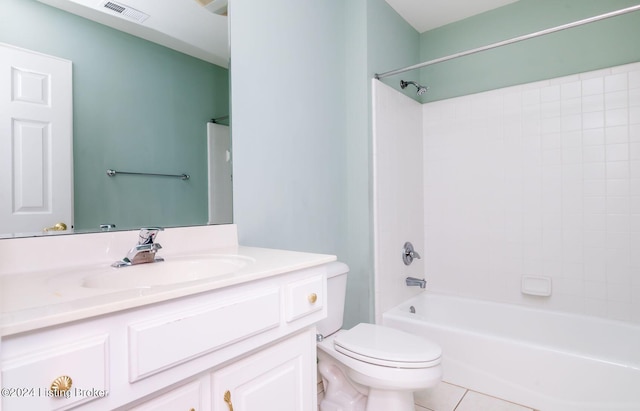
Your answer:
<point x="125" y="11"/>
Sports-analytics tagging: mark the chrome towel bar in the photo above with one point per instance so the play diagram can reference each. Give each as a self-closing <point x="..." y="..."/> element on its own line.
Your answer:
<point x="112" y="173"/>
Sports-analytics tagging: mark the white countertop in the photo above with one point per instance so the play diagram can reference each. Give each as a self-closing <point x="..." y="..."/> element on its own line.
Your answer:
<point x="36" y="293"/>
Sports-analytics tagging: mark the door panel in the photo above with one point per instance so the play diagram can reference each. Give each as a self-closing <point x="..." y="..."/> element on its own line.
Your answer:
<point x="36" y="118"/>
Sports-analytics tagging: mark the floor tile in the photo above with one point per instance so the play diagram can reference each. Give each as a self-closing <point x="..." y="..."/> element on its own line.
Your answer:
<point x="474" y="401"/>
<point x="443" y="397"/>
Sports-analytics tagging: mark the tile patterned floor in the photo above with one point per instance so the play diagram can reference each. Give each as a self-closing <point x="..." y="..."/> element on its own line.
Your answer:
<point x="449" y="397"/>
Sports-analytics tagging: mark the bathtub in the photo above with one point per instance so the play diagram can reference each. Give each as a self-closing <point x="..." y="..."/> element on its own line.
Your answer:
<point x="546" y="360"/>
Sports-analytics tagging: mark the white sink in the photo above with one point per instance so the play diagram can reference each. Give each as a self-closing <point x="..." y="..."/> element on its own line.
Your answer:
<point x="173" y="270"/>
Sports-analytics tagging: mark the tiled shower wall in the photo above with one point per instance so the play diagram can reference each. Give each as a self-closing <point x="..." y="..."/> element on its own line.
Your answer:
<point x="397" y="196"/>
<point x="540" y="179"/>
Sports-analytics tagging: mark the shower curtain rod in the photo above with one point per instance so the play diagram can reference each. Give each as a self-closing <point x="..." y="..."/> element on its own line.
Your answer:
<point x="510" y="41"/>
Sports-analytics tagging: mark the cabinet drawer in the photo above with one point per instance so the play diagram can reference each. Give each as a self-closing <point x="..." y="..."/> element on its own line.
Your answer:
<point x="30" y="377"/>
<point x="164" y="342"/>
<point x="304" y="297"/>
<point x="186" y="397"/>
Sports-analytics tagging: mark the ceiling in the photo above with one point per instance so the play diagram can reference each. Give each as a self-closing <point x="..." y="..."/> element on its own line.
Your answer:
<point x="186" y="26"/>
<point x="182" y="25"/>
<point x="426" y="15"/>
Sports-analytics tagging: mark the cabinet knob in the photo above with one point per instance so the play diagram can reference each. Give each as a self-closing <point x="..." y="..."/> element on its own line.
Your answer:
<point x="312" y="298"/>
<point x="61" y="384"/>
<point x="227" y="399"/>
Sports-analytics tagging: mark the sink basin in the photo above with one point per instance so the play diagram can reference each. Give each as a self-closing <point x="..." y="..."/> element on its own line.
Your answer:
<point x="171" y="271"/>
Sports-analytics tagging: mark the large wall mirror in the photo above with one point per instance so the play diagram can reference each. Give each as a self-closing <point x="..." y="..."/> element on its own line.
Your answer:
<point x="137" y="106"/>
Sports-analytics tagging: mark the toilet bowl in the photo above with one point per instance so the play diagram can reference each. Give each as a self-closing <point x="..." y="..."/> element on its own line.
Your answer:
<point x="370" y="367"/>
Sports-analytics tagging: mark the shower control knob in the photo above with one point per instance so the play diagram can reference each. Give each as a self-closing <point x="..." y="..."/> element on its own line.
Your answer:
<point x="408" y="253"/>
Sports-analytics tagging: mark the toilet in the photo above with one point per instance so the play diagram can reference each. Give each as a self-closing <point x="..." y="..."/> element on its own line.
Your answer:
<point x="370" y="367"/>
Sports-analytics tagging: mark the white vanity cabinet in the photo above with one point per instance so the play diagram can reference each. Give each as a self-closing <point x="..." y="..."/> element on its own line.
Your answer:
<point x="254" y="340"/>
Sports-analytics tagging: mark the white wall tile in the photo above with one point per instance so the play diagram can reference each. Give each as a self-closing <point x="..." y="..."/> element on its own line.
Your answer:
<point x="594" y="136"/>
<point x="634" y="205"/>
<point x="634" y="79"/>
<point x="595" y="205"/>
<point x="594" y="154"/>
<point x="634" y="97"/>
<point x="591" y="103"/>
<point x="615" y="82"/>
<point x="634" y="187"/>
<point x="593" y="119"/>
<point x="593" y="86"/>
<point x="618" y="170"/>
<point x="616" y="100"/>
<point x="571" y="90"/>
<point x="616" y="117"/>
<point x="634" y="115"/>
<point x="543" y="178"/>
<point x="595" y="170"/>
<point x="619" y="134"/>
<point x="617" y="152"/>
<point x="595" y="221"/>
<point x="571" y="122"/>
<point x="618" y="187"/>
<point x="572" y="155"/>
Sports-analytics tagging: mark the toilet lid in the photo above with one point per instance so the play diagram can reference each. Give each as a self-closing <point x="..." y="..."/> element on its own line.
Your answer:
<point x="381" y="345"/>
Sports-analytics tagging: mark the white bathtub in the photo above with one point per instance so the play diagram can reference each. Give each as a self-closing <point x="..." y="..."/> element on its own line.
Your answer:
<point x="542" y="359"/>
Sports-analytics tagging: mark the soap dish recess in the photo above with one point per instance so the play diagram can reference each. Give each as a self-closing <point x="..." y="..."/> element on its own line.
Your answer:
<point x="537" y="285"/>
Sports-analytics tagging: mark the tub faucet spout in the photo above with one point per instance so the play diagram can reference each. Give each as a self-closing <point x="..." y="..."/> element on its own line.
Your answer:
<point x="415" y="282"/>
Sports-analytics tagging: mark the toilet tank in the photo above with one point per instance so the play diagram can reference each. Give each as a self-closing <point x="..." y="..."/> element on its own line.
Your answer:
<point x="336" y="291"/>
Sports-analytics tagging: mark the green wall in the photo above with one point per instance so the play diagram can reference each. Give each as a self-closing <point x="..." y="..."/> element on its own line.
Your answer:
<point x="596" y="45"/>
<point x="138" y="106"/>
<point x="300" y="81"/>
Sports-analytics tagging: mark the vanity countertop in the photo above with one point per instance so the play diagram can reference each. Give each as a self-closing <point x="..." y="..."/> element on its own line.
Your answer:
<point x="34" y="294"/>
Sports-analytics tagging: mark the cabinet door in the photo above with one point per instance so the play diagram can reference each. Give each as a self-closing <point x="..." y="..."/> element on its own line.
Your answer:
<point x="280" y="377"/>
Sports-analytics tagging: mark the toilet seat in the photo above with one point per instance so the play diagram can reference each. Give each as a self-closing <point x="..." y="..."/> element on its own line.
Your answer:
<point x="379" y="345"/>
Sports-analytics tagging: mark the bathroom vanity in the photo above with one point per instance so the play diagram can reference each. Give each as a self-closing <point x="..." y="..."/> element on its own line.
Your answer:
<point x="243" y="337"/>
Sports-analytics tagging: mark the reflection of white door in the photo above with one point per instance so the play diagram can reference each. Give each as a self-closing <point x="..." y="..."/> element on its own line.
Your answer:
<point x="36" y="167"/>
<point x="220" y="185"/>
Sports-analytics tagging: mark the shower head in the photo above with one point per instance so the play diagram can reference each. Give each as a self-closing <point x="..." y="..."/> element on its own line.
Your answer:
<point x="421" y="89"/>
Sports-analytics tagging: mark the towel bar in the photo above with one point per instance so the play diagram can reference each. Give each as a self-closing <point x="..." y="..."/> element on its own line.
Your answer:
<point x="112" y="173"/>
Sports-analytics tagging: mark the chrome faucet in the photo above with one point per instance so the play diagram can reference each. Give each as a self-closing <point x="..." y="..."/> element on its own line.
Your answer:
<point x="413" y="282"/>
<point x="143" y="252"/>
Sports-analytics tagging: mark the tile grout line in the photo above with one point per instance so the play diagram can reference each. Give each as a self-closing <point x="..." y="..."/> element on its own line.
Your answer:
<point x="461" y="398"/>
